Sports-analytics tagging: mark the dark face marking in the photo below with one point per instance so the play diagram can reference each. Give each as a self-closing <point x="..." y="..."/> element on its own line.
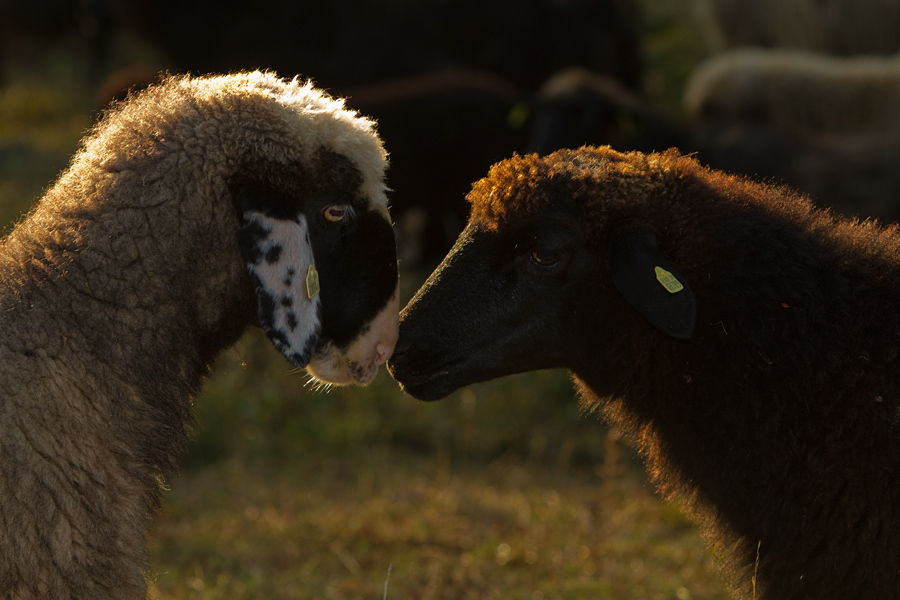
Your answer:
<point x="273" y="254"/>
<point x="357" y="264"/>
<point x="500" y="303"/>
<point x="249" y="238"/>
<point x="351" y="246"/>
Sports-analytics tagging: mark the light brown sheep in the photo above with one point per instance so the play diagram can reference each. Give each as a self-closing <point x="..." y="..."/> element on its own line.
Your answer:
<point x="795" y="88"/>
<point x="191" y="211"/>
<point x="838" y="27"/>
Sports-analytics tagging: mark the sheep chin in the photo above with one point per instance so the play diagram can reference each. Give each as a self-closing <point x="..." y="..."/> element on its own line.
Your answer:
<point x="358" y="364"/>
<point x="331" y="367"/>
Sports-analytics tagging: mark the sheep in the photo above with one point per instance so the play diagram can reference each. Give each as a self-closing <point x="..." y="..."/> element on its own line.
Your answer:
<point x="843" y="27"/>
<point x="852" y="173"/>
<point x="747" y="340"/>
<point x="576" y="106"/>
<point x="193" y="210"/>
<point x="787" y="87"/>
<point x="453" y="106"/>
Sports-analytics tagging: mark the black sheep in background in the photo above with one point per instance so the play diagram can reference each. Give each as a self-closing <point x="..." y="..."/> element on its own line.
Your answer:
<point x="447" y="80"/>
<point x="441" y="129"/>
<point x="854" y="173"/>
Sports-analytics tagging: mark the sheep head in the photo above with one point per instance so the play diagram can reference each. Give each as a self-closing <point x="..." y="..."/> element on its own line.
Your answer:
<point x="277" y="190"/>
<point x="552" y="254"/>
<point x="316" y="236"/>
<point x="323" y="265"/>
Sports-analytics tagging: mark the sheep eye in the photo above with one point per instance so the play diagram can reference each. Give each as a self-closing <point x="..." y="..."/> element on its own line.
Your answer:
<point x="335" y="212"/>
<point x="545" y="258"/>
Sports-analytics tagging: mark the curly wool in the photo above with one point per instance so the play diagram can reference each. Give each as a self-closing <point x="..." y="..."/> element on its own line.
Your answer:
<point x="777" y="424"/>
<point x="116" y="293"/>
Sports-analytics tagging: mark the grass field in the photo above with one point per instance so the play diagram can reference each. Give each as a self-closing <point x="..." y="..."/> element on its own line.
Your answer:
<point x="504" y="490"/>
<point x="500" y="491"/>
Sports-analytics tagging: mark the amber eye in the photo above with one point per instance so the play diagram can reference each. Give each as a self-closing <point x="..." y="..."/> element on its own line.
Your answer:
<point x="335" y="212"/>
<point x="545" y="258"/>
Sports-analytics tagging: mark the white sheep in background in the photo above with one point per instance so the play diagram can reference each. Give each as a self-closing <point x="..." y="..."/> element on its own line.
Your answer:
<point x="843" y="27"/>
<point x="798" y="89"/>
<point x="191" y="210"/>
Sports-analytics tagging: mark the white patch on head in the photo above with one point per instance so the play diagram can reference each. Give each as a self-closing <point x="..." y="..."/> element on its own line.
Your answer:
<point x="288" y="122"/>
<point x="312" y="120"/>
<point x="278" y="255"/>
<point x="323" y="121"/>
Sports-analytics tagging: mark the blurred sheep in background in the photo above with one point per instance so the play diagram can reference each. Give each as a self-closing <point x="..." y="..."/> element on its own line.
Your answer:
<point x="854" y="173"/>
<point x="803" y="92"/>
<point x="798" y="88"/>
<point x="843" y="27"/>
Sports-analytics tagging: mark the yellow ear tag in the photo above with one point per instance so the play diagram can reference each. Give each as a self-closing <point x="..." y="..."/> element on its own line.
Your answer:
<point x="668" y="281"/>
<point x="312" y="282"/>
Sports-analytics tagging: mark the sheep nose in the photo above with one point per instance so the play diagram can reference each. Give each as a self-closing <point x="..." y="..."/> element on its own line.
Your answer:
<point x="383" y="351"/>
<point x="384" y="330"/>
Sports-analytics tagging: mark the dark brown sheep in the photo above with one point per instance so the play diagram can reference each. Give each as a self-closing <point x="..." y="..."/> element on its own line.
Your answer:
<point x="193" y="210"/>
<point x="748" y="341"/>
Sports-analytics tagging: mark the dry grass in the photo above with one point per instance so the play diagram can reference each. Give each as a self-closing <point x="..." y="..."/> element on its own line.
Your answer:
<point x="500" y="491"/>
<point x="326" y="526"/>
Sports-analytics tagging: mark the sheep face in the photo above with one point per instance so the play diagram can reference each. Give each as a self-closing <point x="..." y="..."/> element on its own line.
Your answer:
<point x="357" y="265"/>
<point x="500" y="303"/>
<point x="323" y="266"/>
<point x="531" y="281"/>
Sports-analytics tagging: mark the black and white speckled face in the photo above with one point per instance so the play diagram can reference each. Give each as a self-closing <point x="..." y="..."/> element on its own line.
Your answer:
<point x="343" y="325"/>
<point x="278" y="255"/>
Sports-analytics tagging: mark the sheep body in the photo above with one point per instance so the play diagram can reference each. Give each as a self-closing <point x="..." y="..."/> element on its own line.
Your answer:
<point x="796" y="88"/>
<point x="127" y="279"/>
<point x="764" y="394"/>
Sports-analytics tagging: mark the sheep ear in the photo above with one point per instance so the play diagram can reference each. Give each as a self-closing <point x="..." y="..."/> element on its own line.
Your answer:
<point x="650" y="284"/>
<point x="279" y="258"/>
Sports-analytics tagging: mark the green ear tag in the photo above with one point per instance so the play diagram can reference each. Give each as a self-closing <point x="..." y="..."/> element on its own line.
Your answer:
<point x="312" y="282"/>
<point x="668" y="281"/>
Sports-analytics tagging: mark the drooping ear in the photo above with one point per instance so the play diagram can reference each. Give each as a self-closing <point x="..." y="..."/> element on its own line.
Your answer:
<point x="650" y="284"/>
<point x="279" y="258"/>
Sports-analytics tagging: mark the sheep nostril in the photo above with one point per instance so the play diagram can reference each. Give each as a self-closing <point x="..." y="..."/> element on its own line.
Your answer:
<point x="382" y="354"/>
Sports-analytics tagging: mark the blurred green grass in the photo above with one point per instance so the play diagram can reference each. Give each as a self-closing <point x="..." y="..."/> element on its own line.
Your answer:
<point x="502" y="490"/>
<point x="255" y="406"/>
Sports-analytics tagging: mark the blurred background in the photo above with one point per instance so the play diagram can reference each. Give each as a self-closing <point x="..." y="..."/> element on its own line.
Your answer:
<point x="503" y="490"/>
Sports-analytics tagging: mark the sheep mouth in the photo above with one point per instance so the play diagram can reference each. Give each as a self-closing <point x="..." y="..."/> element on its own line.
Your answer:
<point x="430" y="385"/>
<point x="330" y="366"/>
<point x="357" y="363"/>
